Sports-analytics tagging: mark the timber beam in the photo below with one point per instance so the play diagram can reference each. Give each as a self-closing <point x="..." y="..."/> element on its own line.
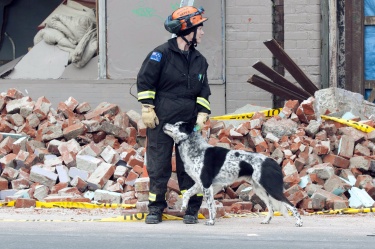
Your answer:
<point x="275" y="89"/>
<point x="278" y="79"/>
<point x="291" y="66"/>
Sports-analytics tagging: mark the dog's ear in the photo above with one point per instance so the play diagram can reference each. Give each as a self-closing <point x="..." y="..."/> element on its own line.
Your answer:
<point x="190" y="126"/>
<point x="187" y="127"/>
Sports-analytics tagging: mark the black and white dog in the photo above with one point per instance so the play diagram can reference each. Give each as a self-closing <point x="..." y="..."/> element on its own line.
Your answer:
<point x="213" y="167"/>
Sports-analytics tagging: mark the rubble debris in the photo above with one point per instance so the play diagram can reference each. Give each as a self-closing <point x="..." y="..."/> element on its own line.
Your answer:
<point x="97" y="154"/>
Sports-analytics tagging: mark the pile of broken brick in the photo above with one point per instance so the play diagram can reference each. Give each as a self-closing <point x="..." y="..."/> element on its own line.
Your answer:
<point x="78" y="154"/>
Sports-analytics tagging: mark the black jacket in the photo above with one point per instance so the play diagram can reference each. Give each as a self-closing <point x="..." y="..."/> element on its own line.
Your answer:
<point x="166" y="72"/>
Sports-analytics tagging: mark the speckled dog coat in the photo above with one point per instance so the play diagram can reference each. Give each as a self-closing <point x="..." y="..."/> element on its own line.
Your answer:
<point x="213" y="168"/>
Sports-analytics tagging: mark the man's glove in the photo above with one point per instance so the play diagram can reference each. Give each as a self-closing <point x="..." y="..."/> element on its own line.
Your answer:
<point x="149" y="117"/>
<point x="201" y="119"/>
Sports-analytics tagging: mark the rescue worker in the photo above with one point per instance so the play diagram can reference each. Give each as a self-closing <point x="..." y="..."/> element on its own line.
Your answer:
<point x="172" y="86"/>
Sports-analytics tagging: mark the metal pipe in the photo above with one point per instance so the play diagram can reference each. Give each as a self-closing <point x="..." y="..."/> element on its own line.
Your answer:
<point x="13" y="45"/>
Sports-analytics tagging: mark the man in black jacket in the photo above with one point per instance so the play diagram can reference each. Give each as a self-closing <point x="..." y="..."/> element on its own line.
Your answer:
<point x="172" y="86"/>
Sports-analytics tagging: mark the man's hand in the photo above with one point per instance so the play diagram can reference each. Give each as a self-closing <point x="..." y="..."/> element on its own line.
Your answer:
<point x="149" y="117"/>
<point x="202" y="119"/>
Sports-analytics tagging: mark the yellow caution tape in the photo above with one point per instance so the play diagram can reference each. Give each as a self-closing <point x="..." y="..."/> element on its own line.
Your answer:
<point x="273" y="112"/>
<point x="345" y="211"/>
<point x="267" y="113"/>
<point x="354" y="124"/>
<point x="137" y="217"/>
<point x="7" y="204"/>
<point x="82" y="205"/>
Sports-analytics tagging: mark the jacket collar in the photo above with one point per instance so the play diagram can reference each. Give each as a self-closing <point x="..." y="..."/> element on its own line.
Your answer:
<point x="173" y="45"/>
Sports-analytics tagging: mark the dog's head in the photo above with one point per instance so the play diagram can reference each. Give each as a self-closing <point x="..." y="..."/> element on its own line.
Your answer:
<point x="179" y="131"/>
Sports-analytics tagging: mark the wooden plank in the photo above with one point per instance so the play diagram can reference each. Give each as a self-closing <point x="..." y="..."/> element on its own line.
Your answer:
<point x="369" y="84"/>
<point x="291" y="66"/>
<point x="332" y="43"/>
<point x="324" y="66"/>
<point x="279" y="79"/>
<point x="371" y="98"/>
<point x="354" y="46"/>
<point x="278" y="35"/>
<point x="341" y="44"/>
<point x="369" y="20"/>
<point x="273" y="88"/>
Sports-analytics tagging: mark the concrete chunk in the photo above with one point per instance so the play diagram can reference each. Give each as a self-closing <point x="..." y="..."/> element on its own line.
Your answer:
<point x="43" y="176"/>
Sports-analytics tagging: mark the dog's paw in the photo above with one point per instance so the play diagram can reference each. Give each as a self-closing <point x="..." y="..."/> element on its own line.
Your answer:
<point x="299" y="223"/>
<point x="209" y="222"/>
<point x="267" y="221"/>
<point x="183" y="208"/>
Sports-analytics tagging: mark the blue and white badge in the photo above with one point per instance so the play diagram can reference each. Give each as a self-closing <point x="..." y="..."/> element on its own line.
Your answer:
<point x="156" y="56"/>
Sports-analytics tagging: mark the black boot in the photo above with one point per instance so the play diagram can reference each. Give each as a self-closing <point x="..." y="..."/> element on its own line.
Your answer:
<point x="154" y="217"/>
<point x="191" y="216"/>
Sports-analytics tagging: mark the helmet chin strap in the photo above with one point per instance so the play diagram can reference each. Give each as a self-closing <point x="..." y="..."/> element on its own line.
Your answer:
<point x="193" y="41"/>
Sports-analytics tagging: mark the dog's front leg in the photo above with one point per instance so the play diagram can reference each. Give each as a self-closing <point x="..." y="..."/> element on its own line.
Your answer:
<point x="189" y="193"/>
<point x="209" y="196"/>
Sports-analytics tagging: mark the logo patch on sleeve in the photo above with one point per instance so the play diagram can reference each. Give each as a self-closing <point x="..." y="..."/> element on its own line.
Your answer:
<point x="156" y="56"/>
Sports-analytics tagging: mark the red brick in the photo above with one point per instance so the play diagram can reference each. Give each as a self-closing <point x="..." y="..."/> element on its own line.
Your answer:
<point x="292" y="179"/>
<point x="135" y="160"/>
<point x="57" y="187"/>
<point x="138" y="169"/>
<point x="21" y="183"/>
<point x="41" y="108"/>
<point x="337" y="161"/>
<point x="5" y="126"/>
<point x="173" y="185"/>
<point x="57" y="198"/>
<point x="292" y="104"/>
<point x="7" y="143"/>
<point x="306" y="204"/>
<point x="83" y="107"/>
<point x="130" y="179"/>
<point x="74" y="130"/>
<point x="231" y="193"/>
<point x="346" y="146"/>
<point x="141" y="128"/>
<point x="24" y="203"/>
<point x="3" y="183"/>
<point x="69" y="191"/>
<point x="305" y="111"/>
<point x="229" y="202"/>
<point x="14" y="93"/>
<point x="362" y="180"/>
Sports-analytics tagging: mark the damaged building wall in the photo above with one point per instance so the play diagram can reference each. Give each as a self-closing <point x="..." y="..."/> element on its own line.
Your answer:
<point x="247" y="25"/>
<point x="303" y="37"/>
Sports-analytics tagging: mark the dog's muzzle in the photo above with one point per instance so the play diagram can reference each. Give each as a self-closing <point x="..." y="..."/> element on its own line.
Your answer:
<point x="165" y="127"/>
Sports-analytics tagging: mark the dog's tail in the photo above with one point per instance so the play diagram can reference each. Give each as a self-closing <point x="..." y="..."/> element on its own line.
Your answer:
<point x="272" y="180"/>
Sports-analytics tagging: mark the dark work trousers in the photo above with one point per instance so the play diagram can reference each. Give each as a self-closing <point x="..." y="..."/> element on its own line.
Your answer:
<point x="158" y="155"/>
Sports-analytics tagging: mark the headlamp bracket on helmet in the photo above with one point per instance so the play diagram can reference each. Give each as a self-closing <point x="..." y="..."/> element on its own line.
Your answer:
<point x="174" y="26"/>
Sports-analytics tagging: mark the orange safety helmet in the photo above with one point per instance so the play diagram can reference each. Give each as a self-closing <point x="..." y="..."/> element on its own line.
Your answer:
<point x="184" y="18"/>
